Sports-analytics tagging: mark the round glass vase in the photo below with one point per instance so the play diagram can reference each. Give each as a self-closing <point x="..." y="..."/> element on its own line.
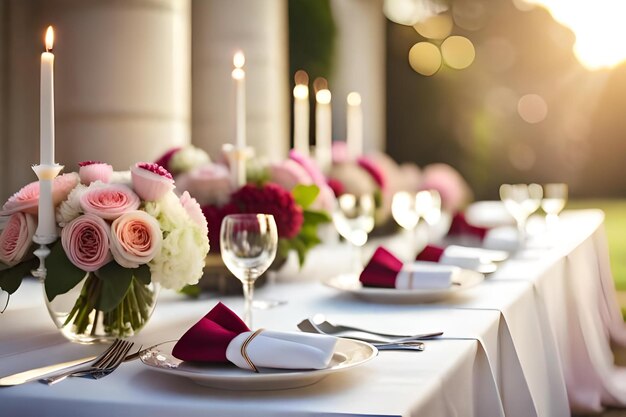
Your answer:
<point x="77" y="313"/>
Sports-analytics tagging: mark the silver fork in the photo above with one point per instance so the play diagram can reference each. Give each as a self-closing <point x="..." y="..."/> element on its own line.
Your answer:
<point x="107" y="360"/>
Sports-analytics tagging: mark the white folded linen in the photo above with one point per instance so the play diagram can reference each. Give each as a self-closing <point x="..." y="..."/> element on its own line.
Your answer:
<point x="426" y="275"/>
<point x="284" y="350"/>
<point x="502" y="238"/>
<point x="454" y="252"/>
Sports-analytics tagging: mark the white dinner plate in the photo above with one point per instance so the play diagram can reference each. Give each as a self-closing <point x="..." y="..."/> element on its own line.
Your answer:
<point x="348" y="354"/>
<point x="350" y="283"/>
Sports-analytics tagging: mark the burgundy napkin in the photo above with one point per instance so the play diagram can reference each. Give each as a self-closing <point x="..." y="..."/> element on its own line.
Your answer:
<point x="381" y="270"/>
<point x="460" y="227"/>
<point x="431" y="253"/>
<point x="208" y="339"/>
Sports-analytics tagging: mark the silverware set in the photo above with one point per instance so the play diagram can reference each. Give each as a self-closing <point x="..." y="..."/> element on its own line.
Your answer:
<point x="109" y="360"/>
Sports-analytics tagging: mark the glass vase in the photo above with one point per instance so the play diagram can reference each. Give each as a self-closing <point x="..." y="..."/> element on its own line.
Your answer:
<point x="78" y="315"/>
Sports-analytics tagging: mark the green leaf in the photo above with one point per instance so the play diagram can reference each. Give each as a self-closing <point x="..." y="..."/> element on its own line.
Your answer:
<point x="284" y="246"/>
<point x="115" y="283"/>
<point x="192" y="291"/>
<point x="314" y="217"/>
<point x="300" y="248"/>
<point x="62" y="275"/>
<point x="143" y="274"/>
<point x="11" y="278"/>
<point x="305" y="195"/>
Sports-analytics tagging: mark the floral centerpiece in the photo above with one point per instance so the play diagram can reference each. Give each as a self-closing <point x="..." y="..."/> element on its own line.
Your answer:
<point x="121" y="236"/>
<point x="299" y="198"/>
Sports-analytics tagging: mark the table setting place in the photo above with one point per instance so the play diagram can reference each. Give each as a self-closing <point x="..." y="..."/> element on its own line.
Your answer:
<point x="329" y="279"/>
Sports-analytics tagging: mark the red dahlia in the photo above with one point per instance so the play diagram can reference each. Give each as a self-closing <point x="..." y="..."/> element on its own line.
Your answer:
<point x="271" y="199"/>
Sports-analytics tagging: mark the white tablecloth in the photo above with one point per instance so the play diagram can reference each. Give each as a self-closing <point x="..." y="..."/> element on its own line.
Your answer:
<point x="541" y="324"/>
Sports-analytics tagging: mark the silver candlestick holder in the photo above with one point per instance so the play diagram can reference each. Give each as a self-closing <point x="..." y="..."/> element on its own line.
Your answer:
<point x="46" y="232"/>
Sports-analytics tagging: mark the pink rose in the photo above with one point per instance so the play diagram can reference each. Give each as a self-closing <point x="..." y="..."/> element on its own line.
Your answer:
<point x="151" y="181"/>
<point x="16" y="238"/>
<point x="136" y="239"/>
<point x="288" y="174"/>
<point x="91" y="171"/>
<point x="209" y="184"/>
<point x="109" y="202"/>
<point x="455" y="192"/>
<point x="340" y="152"/>
<point x="27" y="198"/>
<point x="85" y="241"/>
<point x="309" y="166"/>
<point x="194" y="211"/>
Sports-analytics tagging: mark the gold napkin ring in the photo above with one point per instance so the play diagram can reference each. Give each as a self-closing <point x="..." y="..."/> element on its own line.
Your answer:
<point x="244" y="350"/>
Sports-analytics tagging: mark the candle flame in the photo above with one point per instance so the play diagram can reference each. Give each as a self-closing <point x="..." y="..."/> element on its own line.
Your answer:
<point x="320" y="84"/>
<point x="354" y="99"/>
<point x="49" y="39"/>
<point x="239" y="59"/>
<point x="301" y="91"/>
<point x="301" y="77"/>
<point x="323" y="96"/>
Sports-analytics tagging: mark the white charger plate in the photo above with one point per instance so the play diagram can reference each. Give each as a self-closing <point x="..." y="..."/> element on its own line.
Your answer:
<point x="347" y="355"/>
<point x="349" y="283"/>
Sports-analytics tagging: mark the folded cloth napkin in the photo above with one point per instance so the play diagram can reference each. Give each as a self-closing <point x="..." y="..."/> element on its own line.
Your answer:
<point x="461" y="256"/>
<point x="499" y="238"/>
<point x="221" y="336"/>
<point x="386" y="271"/>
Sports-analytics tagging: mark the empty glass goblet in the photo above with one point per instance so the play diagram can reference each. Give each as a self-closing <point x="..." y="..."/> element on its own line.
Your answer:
<point x="554" y="200"/>
<point x="521" y="200"/>
<point x="354" y="219"/>
<point x="248" y="244"/>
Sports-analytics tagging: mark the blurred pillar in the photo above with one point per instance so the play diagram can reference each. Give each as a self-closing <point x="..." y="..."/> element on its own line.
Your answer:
<point x="122" y="80"/>
<point x="360" y="66"/>
<point x="259" y="29"/>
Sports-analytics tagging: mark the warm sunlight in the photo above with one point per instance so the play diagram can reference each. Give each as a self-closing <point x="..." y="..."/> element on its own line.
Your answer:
<point x="598" y="26"/>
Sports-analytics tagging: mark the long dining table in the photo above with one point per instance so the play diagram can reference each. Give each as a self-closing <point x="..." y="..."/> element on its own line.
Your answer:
<point x="533" y="339"/>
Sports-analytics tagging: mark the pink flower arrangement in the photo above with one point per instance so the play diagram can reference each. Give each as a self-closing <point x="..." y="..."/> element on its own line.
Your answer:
<point x="138" y="234"/>
<point x="16" y="238"/>
<point x="454" y="191"/>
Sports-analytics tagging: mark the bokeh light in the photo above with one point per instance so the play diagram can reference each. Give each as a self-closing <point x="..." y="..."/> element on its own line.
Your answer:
<point x="469" y="14"/>
<point x="498" y="54"/>
<point x="409" y="12"/>
<point x="435" y="27"/>
<point x="532" y="108"/>
<point x="425" y="58"/>
<point x="458" y="52"/>
<point x="598" y="26"/>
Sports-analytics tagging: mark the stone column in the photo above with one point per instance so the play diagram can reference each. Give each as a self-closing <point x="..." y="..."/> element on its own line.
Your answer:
<point x="259" y="29"/>
<point x="122" y="80"/>
<point x="360" y="66"/>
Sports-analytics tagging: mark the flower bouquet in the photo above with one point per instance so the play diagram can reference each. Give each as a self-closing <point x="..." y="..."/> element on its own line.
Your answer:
<point x="289" y="190"/>
<point x="121" y="235"/>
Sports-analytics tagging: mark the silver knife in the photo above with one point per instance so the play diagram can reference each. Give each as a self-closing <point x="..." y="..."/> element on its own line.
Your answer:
<point x="27" y="376"/>
<point x="22" y="377"/>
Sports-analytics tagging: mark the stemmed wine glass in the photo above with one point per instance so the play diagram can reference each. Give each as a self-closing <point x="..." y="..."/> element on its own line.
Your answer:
<point x="248" y="243"/>
<point x="354" y="219"/>
<point x="521" y="200"/>
<point x="408" y="208"/>
<point x="554" y="199"/>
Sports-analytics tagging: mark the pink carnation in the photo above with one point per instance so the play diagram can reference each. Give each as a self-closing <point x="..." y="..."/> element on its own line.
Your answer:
<point x="151" y="181"/>
<point x="195" y="211"/>
<point x="136" y="239"/>
<point x="26" y="199"/>
<point x="85" y="241"/>
<point x="16" y="238"/>
<point x="165" y="159"/>
<point x="91" y="171"/>
<point x="109" y="202"/>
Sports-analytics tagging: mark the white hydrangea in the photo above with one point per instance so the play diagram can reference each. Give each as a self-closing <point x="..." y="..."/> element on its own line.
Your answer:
<point x="184" y="248"/>
<point x="188" y="158"/>
<point x="121" y="177"/>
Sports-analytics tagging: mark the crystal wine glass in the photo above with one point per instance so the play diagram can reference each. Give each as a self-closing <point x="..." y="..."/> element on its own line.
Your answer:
<point x="554" y="199"/>
<point x="248" y="244"/>
<point x="521" y="200"/>
<point x="354" y="219"/>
